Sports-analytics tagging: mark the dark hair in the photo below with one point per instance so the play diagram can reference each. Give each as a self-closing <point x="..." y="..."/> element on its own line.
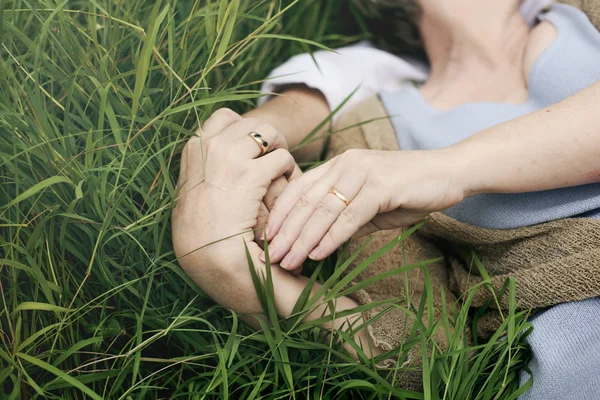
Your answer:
<point x="394" y="25"/>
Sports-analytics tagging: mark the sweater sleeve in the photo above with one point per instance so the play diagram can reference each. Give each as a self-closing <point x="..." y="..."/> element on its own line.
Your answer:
<point x="338" y="73"/>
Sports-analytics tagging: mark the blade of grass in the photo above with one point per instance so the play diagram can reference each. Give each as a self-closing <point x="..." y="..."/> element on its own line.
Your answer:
<point x="60" y="374"/>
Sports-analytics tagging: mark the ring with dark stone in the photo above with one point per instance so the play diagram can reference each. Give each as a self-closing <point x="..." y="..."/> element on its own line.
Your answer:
<point x="262" y="143"/>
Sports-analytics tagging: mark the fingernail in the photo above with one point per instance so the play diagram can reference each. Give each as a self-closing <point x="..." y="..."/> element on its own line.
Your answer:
<point x="314" y="255"/>
<point x="274" y="251"/>
<point x="286" y="263"/>
<point x="261" y="256"/>
<point x="268" y="230"/>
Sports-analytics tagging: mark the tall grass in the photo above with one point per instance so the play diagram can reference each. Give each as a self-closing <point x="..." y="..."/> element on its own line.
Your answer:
<point x="97" y="98"/>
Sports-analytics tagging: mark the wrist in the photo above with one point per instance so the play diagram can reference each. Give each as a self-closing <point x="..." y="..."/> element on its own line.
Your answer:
<point x="464" y="172"/>
<point x="217" y="268"/>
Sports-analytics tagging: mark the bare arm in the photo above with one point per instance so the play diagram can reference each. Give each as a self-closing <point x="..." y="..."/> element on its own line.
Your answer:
<point x="230" y="284"/>
<point x="295" y="113"/>
<point x="556" y="147"/>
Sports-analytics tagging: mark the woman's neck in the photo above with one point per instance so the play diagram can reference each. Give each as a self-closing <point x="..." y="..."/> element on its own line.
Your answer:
<point x="481" y="61"/>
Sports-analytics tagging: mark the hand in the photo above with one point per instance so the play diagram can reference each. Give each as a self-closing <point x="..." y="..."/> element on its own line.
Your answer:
<point x="223" y="185"/>
<point x="384" y="190"/>
<point x="273" y="192"/>
<point x="223" y="181"/>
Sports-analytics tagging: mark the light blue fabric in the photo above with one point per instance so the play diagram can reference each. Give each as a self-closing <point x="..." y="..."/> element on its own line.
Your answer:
<point x="570" y="64"/>
<point x="566" y="338"/>
<point x="566" y="353"/>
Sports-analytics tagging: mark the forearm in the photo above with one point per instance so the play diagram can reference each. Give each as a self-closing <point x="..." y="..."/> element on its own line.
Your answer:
<point x="231" y="285"/>
<point x="556" y="147"/>
<point x="295" y="113"/>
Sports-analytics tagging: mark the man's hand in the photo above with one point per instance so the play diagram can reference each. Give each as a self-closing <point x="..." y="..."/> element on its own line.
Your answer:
<point x="223" y="181"/>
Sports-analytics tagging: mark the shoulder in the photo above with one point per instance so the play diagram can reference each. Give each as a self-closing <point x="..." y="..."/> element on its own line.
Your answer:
<point x="591" y="8"/>
<point x="564" y="23"/>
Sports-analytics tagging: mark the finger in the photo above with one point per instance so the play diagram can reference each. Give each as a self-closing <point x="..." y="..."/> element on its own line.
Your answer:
<point x="289" y="234"/>
<point x="360" y="211"/>
<point x="323" y="217"/>
<point x="263" y="214"/>
<point x="278" y="186"/>
<point x="271" y="139"/>
<point x="275" y="164"/>
<point x="296" y="174"/>
<point x="217" y="122"/>
<point x="274" y="191"/>
<point x="325" y="214"/>
<point x="230" y="133"/>
<point x="292" y="193"/>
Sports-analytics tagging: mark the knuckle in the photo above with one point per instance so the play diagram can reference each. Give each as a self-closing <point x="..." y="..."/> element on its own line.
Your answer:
<point x="300" y="245"/>
<point x="273" y="135"/>
<point x="223" y="116"/>
<point x="286" y="157"/>
<point x="284" y="235"/>
<point x="323" y="210"/>
<point x="354" y="157"/>
<point x="226" y="114"/>
<point x="192" y="146"/>
<point x="265" y="129"/>
<point x="303" y="201"/>
<point x="351" y="154"/>
<point x="348" y="216"/>
<point x="331" y="239"/>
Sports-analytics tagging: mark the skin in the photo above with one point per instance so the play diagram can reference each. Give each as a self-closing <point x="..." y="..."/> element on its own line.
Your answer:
<point x="471" y="61"/>
<point x="222" y="184"/>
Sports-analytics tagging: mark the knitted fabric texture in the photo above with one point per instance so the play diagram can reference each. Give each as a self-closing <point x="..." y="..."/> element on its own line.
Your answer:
<point x="552" y="263"/>
<point x="393" y="327"/>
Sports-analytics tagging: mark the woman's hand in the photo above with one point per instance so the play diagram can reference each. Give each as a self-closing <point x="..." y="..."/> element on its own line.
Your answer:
<point x="384" y="190"/>
<point x="223" y="181"/>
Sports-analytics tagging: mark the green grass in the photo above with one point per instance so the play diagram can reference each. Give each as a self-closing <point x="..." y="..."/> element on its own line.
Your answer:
<point x="97" y="98"/>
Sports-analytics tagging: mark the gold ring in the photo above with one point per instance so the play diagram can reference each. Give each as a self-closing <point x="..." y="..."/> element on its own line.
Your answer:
<point x="262" y="143"/>
<point x="340" y="196"/>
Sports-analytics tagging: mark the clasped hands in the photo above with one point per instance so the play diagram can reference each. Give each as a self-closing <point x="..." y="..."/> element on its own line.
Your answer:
<point x="228" y="188"/>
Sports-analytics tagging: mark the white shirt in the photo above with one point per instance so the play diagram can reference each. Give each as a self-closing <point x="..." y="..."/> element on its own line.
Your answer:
<point x="360" y="67"/>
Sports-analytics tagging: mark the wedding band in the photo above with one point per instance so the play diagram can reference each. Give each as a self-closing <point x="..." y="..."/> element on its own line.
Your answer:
<point x="340" y="196"/>
<point x="262" y="143"/>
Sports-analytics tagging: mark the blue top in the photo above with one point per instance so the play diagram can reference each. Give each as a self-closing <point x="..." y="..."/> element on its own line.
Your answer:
<point x="570" y="64"/>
